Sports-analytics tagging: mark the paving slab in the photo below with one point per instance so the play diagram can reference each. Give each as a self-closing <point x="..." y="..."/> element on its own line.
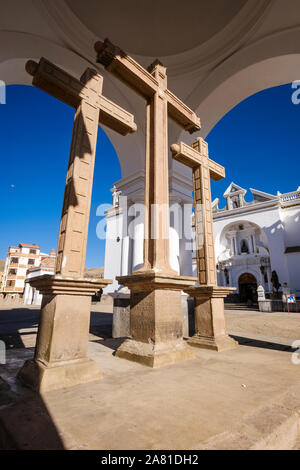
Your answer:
<point x="244" y="398"/>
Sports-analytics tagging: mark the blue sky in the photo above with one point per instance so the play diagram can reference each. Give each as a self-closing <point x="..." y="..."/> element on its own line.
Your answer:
<point x="257" y="142"/>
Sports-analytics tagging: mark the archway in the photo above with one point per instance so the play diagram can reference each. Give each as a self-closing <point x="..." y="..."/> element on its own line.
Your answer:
<point x="247" y="288"/>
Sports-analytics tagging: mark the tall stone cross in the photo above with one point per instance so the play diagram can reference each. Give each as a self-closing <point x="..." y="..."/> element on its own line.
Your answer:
<point x="210" y="328"/>
<point x="152" y="85"/>
<point x="204" y="169"/>
<point x="91" y="109"/>
<point x="61" y="351"/>
<point x="155" y="315"/>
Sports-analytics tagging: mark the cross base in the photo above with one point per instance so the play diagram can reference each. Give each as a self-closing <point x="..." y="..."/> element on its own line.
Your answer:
<point x="157" y="355"/>
<point x="155" y="319"/>
<point x="60" y="358"/>
<point x="210" y="318"/>
<point x="221" y="343"/>
<point x="43" y="378"/>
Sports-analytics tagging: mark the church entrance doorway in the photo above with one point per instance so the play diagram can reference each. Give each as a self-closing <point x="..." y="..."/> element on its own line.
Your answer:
<point x="248" y="288"/>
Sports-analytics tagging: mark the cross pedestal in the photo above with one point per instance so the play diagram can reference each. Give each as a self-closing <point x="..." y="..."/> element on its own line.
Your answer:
<point x="155" y="319"/>
<point x="210" y="328"/>
<point x="61" y="351"/>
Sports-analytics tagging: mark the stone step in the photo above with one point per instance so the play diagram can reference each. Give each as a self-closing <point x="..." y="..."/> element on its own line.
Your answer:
<point x="231" y="306"/>
<point x="273" y="427"/>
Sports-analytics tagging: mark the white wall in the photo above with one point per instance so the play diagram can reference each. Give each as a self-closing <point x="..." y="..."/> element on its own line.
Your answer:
<point x="113" y="248"/>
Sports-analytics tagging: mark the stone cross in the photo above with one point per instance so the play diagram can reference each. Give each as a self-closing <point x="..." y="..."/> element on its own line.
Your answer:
<point x="91" y="109"/>
<point x="210" y="329"/>
<point x="162" y="104"/>
<point x="155" y="303"/>
<point x="62" y="343"/>
<point x="204" y="169"/>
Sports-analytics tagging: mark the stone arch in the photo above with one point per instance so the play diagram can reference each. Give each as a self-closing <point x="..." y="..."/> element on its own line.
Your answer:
<point x="220" y="238"/>
<point x="268" y="62"/>
<point x="248" y="284"/>
<point x="247" y="277"/>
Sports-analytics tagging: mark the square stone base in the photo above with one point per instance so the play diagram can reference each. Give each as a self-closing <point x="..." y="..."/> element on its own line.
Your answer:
<point x="155" y="355"/>
<point x="121" y="316"/>
<point x="60" y="358"/>
<point x="219" y="343"/>
<point x="155" y="319"/>
<point x="41" y="378"/>
<point x="210" y="324"/>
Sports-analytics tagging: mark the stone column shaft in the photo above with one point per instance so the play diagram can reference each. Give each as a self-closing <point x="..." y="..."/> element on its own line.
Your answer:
<point x="72" y="241"/>
<point x="156" y="245"/>
<point x="235" y="245"/>
<point x="205" y="252"/>
<point x="232" y="246"/>
<point x="125" y="256"/>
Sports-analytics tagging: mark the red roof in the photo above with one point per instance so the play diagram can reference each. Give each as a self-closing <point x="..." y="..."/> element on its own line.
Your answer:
<point x="32" y="246"/>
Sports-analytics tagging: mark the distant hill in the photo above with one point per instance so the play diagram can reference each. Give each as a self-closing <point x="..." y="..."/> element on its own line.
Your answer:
<point x="94" y="272"/>
<point x="2" y="264"/>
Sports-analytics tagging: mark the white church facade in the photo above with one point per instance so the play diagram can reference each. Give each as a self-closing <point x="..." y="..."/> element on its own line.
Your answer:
<point x="255" y="239"/>
<point x="252" y="239"/>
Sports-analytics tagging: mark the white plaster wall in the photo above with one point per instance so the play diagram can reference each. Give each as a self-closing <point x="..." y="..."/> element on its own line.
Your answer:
<point x="21" y="271"/>
<point x="291" y="221"/>
<point x="293" y="263"/>
<point x="19" y="283"/>
<point x="33" y="296"/>
<point x="113" y="249"/>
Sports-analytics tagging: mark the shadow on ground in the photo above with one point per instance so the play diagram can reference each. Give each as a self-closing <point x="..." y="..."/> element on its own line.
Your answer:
<point x="25" y="422"/>
<point x="256" y="343"/>
<point x="18" y="326"/>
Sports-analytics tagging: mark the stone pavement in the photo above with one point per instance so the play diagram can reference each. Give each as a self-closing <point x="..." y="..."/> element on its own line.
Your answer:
<point x="244" y="398"/>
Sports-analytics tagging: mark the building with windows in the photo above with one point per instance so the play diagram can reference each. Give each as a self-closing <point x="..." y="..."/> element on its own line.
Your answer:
<point x="257" y="241"/>
<point x="46" y="267"/>
<point x="18" y="260"/>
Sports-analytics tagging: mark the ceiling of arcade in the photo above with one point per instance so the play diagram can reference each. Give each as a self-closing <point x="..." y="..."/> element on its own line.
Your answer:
<point x="156" y="28"/>
<point x="203" y="44"/>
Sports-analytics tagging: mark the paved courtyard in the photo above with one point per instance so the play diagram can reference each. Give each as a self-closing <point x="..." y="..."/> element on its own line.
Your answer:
<point x="245" y="398"/>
